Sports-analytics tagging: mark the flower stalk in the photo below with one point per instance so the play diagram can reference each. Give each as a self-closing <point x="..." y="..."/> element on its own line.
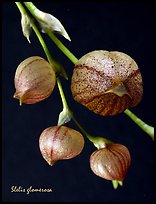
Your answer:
<point x="145" y="127"/>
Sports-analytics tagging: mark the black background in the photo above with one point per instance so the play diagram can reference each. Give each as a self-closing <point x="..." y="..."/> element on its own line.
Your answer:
<point x="121" y="26"/>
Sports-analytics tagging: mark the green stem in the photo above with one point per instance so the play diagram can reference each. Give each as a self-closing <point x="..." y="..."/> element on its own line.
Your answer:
<point x="99" y="142"/>
<point x="91" y="138"/>
<point x="21" y="8"/>
<point x="145" y="127"/>
<point x="33" y="9"/>
<point x="46" y="50"/>
<point x="64" y="102"/>
<point x="62" y="47"/>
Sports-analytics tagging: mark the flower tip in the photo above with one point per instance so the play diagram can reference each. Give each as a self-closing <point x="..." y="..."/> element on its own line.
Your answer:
<point x="67" y="37"/>
<point x="116" y="183"/>
<point x="51" y="162"/>
<point x="16" y="96"/>
<point x="120" y="183"/>
<point x="64" y="117"/>
<point x="65" y="34"/>
<point x="28" y="39"/>
<point x="64" y="74"/>
<point x="20" y="100"/>
<point x="66" y="77"/>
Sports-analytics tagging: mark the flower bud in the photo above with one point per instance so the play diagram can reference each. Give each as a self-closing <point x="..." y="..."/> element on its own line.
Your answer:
<point x="60" y="143"/>
<point x="34" y="80"/>
<point x="111" y="162"/>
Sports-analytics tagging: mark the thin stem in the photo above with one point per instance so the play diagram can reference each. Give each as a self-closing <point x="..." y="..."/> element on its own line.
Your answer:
<point x="91" y="138"/>
<point x="32" y="8"/>
<point x="21" y="8"/>
<point x="64" y="102"/>
<point x="62" y="47"/>
<point x="145" y="127"/>
<point x="46" y="50"/>
<point x="99" y="142"/>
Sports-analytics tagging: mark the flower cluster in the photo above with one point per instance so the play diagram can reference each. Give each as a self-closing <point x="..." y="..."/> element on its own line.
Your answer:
<point x="105" y="82"/>
<point x="35" y="80"/>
